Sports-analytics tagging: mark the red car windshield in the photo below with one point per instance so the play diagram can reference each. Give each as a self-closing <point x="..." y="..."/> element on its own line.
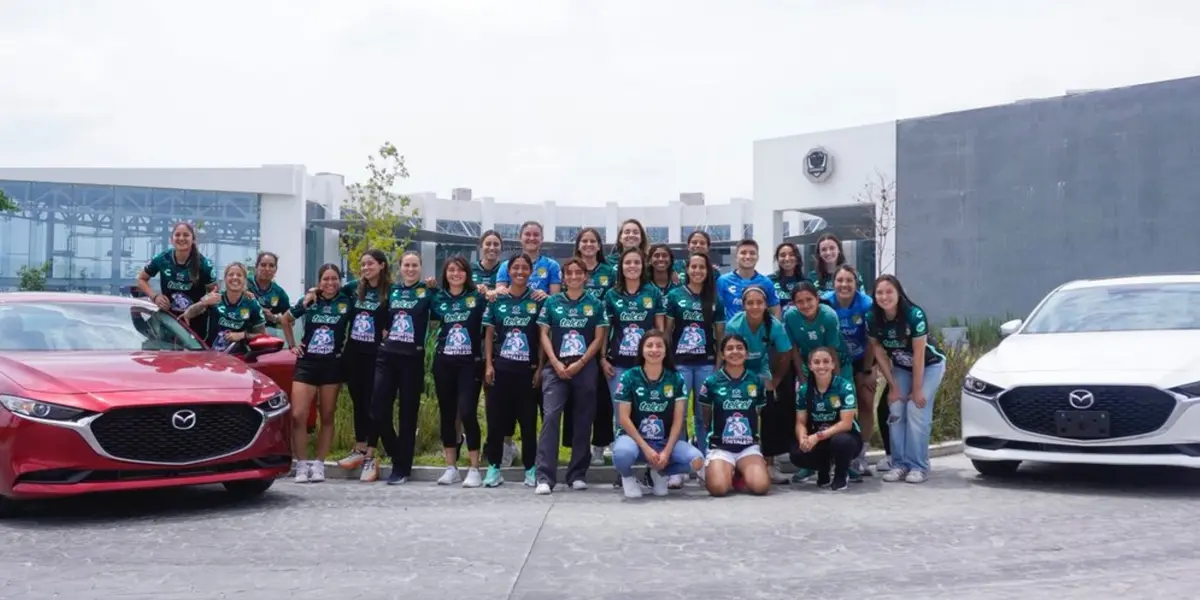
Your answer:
<point x="90" y="326"/>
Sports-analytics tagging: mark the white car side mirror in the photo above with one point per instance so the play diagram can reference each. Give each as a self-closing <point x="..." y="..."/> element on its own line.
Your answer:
<point x="1010" y="327"/>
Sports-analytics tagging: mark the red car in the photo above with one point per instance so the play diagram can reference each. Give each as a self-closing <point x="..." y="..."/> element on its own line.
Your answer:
<point x="105" y="393"/>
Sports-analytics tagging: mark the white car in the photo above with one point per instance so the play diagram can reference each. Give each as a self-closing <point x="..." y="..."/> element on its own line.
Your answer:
<point x="1104" y="372"/>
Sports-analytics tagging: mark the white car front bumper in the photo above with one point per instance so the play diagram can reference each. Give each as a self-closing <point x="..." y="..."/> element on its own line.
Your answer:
<point x="988" y="436"/>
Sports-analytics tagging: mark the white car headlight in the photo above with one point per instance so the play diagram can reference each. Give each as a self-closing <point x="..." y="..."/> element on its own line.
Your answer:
<point x="276" y="402"/>
<point x="980" y="387"/>
<point x="1191" y="390"/>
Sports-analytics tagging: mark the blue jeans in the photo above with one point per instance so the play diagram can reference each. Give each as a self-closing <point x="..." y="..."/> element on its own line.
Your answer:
<point x="626" y="453"/>
<point x="612" y="393"/>
<point x="908" y="425"/>
<point x="694" y="376"/>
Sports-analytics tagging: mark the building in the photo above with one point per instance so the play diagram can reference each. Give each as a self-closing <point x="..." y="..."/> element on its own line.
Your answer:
<point x="988" y="210"/>
<point x="98" y="227"/>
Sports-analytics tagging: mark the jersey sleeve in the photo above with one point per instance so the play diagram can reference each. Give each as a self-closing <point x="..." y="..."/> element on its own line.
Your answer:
<point x="801" y="392"/>
<point x="284" y="300"/>
<point x="681" y="385"/>
<point x="660" y="303"/>
<point x="502" y="273"/>
<point x="208" y="272"/>
<point x="706" y="388"/>
<point x="849" y="400"/>
<point x="917" y="325"/>
<point x="151" y="268"/>
<point x="833" y="335"/>
<point x="719" y="311"/>
<point x="624" y="390"/>
<point x="723" y="294"/>
<point x="487" y="315"/>
<point x="543" y="317"/>
<point x="554" y="273"/>
<point x="297" y="311"/>
<point x="779" y="337"/>
<point x="872" y="329"/>
<point x="256" y="316"/>
<point x="768" y="287"/>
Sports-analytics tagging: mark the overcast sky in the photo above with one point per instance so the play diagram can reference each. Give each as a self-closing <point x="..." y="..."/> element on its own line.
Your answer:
<point x="574" y="101"/>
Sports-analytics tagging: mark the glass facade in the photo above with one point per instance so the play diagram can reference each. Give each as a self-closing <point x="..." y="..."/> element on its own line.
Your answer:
<point x="509" y="231"/>
<point x="467" y="228"/>
<point x="97" y="238"/>
<point x="718" y="233"/>
<point x="658" y="235"/>
<point x="566" y="233"/>
<point x="787" y="229"/>
<point x="748" y="231"/>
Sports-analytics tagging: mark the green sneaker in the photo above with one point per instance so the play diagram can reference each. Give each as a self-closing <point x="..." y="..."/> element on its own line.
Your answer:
<point x="803" y="475"/>
<point x="493" y="477"/>
<point x="855" y="476"/>
<point x="531" y="477"/>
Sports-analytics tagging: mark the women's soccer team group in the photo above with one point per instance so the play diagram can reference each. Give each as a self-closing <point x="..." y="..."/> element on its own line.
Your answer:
<point x="638" y="355"/>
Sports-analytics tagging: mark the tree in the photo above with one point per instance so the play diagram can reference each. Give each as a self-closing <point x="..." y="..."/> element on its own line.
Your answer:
<point x="880" y="193"/>
<point x="33" y="279"/>
<point x="7" y="204"/>
<point x="375" y="210"/>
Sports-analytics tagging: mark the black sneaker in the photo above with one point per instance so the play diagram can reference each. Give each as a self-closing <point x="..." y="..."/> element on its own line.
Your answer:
<point x="395" y="478"/>
<point x="823" y="480"/>
<point x="839" y="484"/>
<point x="617" y="484"/>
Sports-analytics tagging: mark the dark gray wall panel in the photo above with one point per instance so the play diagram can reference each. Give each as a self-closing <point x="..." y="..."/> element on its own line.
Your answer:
<point x="998" y="206"/>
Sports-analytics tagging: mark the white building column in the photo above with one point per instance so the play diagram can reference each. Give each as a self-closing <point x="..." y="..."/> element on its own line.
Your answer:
<point x="549" y="221"/>
<point x="282" y="224"/>
<point x="487" y="214"/>
<point x="429" y="217"/>
<point x="612" y="220"/>
<point x="675" y="222"/>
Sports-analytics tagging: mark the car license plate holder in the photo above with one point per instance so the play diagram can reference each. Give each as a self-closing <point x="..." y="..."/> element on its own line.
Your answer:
<point x="1082" y="424"/>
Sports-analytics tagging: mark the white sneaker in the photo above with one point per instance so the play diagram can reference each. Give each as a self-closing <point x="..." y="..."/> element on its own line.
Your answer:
<point x="597" y="456"/>
<point x="777" y="476"/>
<point x="474" y="479"/>
<point x="895" y="474"/>
<point x="316" y="471"/>
<point x="302" y="471"/>
<point x="579" y="485"/>
<point x="450" y="477"/>
<point x="884" y="465"/>
<point x="916" y="477"/>
<point x="702" y="476"/>
<point x="510" y="454"/>
<point x="660" y="483"/>
<point x="543" y="489"/>
<point x="675" y="482"/>
<point x="630" y="486"/>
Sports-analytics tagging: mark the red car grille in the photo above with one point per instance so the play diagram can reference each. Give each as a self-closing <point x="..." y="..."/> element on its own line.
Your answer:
<point x="165" y="434"/>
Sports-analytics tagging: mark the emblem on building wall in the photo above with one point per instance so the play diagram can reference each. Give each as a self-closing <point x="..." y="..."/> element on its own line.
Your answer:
<point x="818" y="165"/>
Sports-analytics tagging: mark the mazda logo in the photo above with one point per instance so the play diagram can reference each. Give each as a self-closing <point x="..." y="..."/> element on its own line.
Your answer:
<point x="1081" y="399"/>
<point x="183" y="419"/>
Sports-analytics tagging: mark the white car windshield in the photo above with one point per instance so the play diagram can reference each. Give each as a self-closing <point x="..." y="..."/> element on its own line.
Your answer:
<point x="67" y="326"/>
<point x="1126" y="307"/>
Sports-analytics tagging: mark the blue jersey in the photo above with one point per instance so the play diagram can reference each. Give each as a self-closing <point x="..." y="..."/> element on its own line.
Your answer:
<point x="546" y="272"/>
<point x="731" y="285"/>
<point x="852" y="320"/>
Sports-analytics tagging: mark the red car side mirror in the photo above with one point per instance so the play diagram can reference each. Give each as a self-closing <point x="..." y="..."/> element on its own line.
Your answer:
<point x="265" y="344"/>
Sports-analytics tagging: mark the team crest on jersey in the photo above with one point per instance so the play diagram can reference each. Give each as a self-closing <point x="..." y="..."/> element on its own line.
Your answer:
<point x="541" y="271"/>
<point x="341" y="307"/>
<point x="857" y="320"/>
<point x="669" y="390"/>
<point x="471" y="302"/>
<point x="835" y="401"/>
<point x="752" y="389"/>
<point x="245" y="313"/>
<point x="648" y="302"/>
<point x="420" y="292"/>
<point x="531" y="308"/>
<point x="272" y="300"/>
<point x="588" y="311"/>
<point x="604" y="280"/>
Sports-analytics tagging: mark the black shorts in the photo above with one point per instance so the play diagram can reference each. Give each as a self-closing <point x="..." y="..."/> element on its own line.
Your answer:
<point x="858" y="365"/>
<point x="319" y="372"/>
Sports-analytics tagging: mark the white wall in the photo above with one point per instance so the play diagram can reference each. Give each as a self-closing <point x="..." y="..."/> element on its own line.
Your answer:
<point x="859" y="154"/>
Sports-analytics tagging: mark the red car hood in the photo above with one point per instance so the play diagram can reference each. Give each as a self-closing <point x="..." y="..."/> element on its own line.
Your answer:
<point x="101" y="372"/>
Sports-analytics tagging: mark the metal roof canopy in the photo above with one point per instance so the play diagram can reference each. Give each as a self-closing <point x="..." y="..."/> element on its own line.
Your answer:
<point x="848" y="223"/>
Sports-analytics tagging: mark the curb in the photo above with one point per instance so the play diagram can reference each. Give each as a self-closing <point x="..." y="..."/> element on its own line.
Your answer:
<point x="595" y="475"/>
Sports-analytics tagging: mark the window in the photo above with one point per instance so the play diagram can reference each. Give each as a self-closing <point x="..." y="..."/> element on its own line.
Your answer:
<point x="467" y="228"/>
<point x="566" y="233"/>
<point x="658" y="235"/>
<point x="97" y="238"/>
<point x="718" y="233"/>
<point x="66" y="326"/>
<point x="508" y="231"/>
<point x="748" y="231"/>
<point x="1119" y="307"/>
<point x="787" y="229"/>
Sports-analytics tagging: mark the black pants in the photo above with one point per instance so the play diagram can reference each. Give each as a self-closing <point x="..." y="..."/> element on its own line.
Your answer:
<point x="360" y="382"/>
<point x="881" y="420"/>
<point x="603" y="433"/>
<point x="458" y="384"/>
<point x="778" y="419"/>
<point x="839" y="449"/>
<point x="555" y="392"/>
<point x="512" y="400"/>
<point x="398" y="376"/>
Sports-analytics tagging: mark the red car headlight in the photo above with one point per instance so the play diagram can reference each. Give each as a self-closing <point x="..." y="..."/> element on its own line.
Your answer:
<point x="36" y="409"/>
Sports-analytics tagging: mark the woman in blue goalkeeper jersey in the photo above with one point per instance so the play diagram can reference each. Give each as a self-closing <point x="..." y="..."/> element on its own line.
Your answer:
<point x="852" y="306"/>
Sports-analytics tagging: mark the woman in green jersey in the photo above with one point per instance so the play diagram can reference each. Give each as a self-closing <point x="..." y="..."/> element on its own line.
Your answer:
<point x="600" y="277"/>
<point x="185" y="275"/>
<point x="829" y="258"/>
<point x="270" y="295"/>
<point x="731" y="400"/>
<point x="483" y="271"/>
<point x="318" y="373"/>
<point x="826" y="420"/>
<point x="511" y="357"/>
<point x="233" y="317"/>
<point x="652" y="411"/>
<point x="661" y="263"/>
<point x="630" y="235"/>
<point x="695" y="321"/>
<point x="634" y="307"/>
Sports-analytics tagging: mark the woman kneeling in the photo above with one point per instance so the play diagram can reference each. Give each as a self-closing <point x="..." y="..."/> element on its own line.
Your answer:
<point x="826" y="421"/>
<point x="652" y="411"/>
<point x="731" y="400"/>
